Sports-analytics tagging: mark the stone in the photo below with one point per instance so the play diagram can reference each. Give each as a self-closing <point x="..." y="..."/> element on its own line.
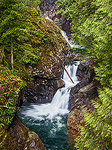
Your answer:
<point x="47" y="73"/>
<point x="59" y="84"/>
<point x="51" y="63"/>
<point x="49" y="8"/>
<point x="85" y="71"/>
<point x="80" y="104"/>
<point x="41" y="90"/>
<point x="77" y="57"/>
<point x="19" y="137"/>
<point x="81" y="96"/>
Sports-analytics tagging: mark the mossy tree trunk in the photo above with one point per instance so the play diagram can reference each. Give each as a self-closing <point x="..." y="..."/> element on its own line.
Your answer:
<point x="12" y="55"/>
<point x="2" y="54"/>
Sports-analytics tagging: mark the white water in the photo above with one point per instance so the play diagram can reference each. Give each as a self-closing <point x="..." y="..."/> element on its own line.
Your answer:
<point x="70" y="42"/>
<point x="49" y="19"/>
<point x="60" y="101"/>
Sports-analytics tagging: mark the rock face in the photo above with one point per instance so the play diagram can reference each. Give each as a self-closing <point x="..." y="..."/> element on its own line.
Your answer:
<point x="52" y="54"/>
<point x="49" y="8"/>
<point x="19" y="137"/>
<point x="48" y="72"/>
<point x="80" y="98"/>
<point x="42" y="90"/>
<point x="85" y="71"/>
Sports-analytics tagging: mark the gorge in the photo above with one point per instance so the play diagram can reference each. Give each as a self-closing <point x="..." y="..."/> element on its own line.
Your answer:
<point x="52" y="90"/>
<point x="49" y="120"/>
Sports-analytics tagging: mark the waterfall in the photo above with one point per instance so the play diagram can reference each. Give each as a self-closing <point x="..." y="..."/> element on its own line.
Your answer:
<point x="49" y="120"/>
<point x="70" y="42"/>
<point x="60" y="101"/>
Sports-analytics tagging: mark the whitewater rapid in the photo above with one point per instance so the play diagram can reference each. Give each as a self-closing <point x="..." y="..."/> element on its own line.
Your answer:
<point x="60" y="101"/>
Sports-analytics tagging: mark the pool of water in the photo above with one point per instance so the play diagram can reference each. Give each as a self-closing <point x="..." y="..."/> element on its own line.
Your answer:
<point x="49" y="120"/>
<point x="53" y="133"/>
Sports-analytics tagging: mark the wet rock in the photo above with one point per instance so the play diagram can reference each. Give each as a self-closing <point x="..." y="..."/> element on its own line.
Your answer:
<point x="76" y="118"/>
<point x="81" y="96"/>
<point x="59" y="84"/>
<point x="19" y="137"/>
<point x="47" y="73"/>
<point x="87" y="91"/>
<point x="49" y="8"/>
<point x="77" y="57"/>
<point x="42" y="90"/>
<point x="85" y="71"/>
<point x="46" y="5"/>
<point x="52" y="60"/>
<point x="80" y="104"/>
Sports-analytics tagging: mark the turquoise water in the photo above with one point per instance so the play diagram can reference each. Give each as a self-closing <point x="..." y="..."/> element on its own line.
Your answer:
<point x="53" y="133"/>
<point x="49" y="120"/>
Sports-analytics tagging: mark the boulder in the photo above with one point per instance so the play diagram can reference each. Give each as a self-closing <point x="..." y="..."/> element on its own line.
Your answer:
<point x="52" y="55"/>
<point x="85" y="71"/>
<point x="59" y="84"/>
<point x="80" y="104"/>
<point x="47" y="73"/>
<point x="42" y="90"/>
<point x="77" y="57"/>
<point x="19" y="137"/>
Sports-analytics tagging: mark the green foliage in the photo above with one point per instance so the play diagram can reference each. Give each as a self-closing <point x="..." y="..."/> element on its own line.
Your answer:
<point x="10" y="86"/>
<point x="97" y="133"/>
<point x="23" y="29"/>
<point x="18" y="28"/>
<point x="91" y="25"/>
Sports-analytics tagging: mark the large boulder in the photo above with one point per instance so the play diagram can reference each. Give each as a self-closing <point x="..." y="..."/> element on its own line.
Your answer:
<point x="19" y="137"/>
<point x="47" y="73"/>
<point x="81" y="104"/>
<point x="81" y="96"/>
<point x="42" y="90"/>
<point x="85" y="71"/>
<point x="52" y="54"/>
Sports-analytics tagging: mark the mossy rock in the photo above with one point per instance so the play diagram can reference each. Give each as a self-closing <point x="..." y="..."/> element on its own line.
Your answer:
<point x="19" y="137"/>
<point x="10" y="87"/>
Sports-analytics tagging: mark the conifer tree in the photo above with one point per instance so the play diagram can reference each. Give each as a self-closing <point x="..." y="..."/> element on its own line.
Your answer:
<point x="16" y="30"/>
<point x="97" y="133"/>
<point x="91" y="24"/>
<point x="12" y="24"/>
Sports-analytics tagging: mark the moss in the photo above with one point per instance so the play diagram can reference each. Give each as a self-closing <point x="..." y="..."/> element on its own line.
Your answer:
<point x="10" y="86"/>
<point x="41" y="39"/>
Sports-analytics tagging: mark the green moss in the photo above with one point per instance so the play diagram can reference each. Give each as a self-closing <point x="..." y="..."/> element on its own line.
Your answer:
<point x="40" y="38"/>
<point x="10" y="86"/>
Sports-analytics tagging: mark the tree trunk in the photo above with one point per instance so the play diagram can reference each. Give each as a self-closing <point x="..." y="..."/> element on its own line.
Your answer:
<point x="12" y="55"/>
<point x="68" y="75"/>
<point x="2" y="54"/>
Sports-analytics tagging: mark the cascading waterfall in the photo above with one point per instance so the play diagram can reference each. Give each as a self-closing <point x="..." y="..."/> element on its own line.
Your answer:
<point x="70" y="42"/>
<point x="60" y="101"/>
<point x="49" y="120"/>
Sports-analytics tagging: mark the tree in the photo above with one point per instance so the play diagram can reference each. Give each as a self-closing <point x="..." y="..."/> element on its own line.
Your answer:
<point x="97" y="133"/>
<point x="11" y="24"/>
<point x="16" y="33"/>
<point x="91" y="25"/>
